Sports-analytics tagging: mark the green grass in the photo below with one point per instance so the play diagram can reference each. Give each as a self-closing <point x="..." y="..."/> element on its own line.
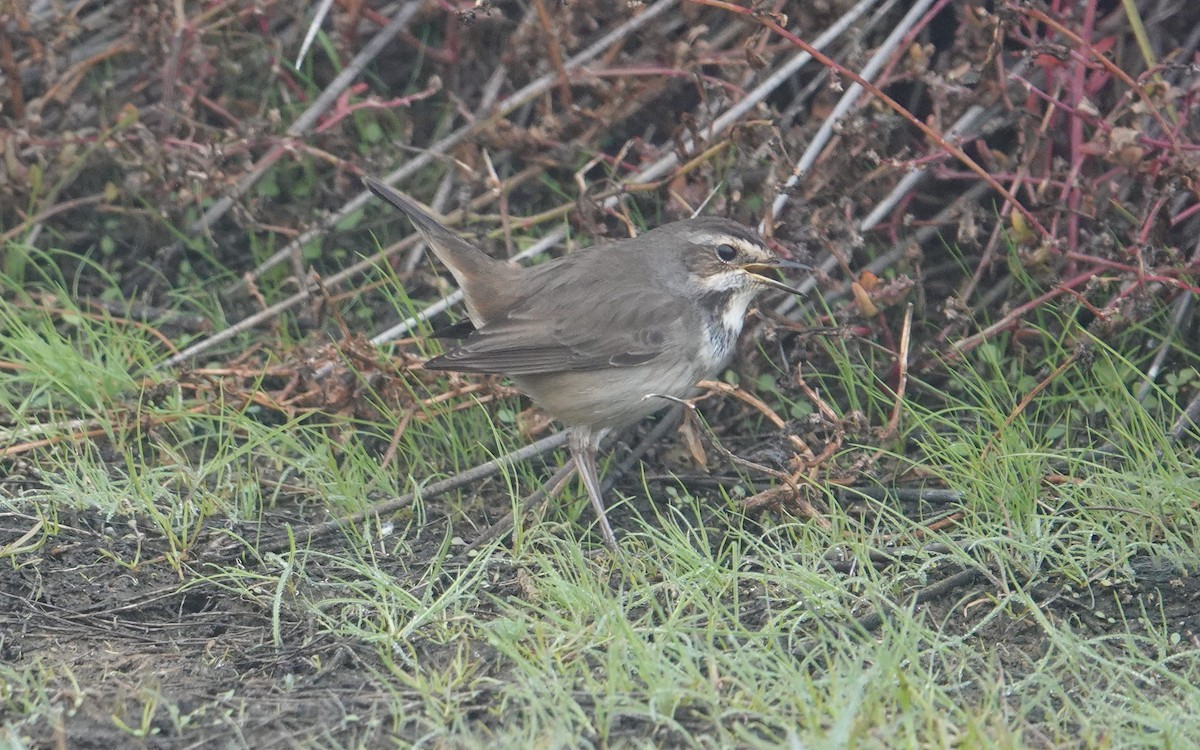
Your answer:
<point x="711" y="629"/>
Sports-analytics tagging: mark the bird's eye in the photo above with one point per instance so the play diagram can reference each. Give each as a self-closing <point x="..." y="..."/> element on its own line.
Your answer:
<point x="726" y="253"/>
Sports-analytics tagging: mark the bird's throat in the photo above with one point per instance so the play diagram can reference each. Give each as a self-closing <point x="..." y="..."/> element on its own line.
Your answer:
<point x="725" y="312"/>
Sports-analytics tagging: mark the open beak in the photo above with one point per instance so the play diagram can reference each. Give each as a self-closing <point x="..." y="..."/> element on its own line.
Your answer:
<point x="760" y="271"/>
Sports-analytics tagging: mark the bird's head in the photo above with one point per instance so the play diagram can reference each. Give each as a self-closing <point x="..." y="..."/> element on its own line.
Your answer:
<point x="721" y="256"/>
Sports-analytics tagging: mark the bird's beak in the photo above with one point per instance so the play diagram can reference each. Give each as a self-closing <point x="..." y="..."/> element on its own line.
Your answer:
<point x="760" y="270"/>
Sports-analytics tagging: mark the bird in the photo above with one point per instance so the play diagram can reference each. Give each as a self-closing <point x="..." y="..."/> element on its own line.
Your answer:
<point x="604" y="336"/>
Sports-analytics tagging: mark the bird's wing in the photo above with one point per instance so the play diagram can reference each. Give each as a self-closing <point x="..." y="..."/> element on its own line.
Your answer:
<point x="630" y="328"/>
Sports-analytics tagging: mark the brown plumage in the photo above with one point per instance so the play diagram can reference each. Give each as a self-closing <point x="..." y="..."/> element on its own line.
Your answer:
<point x="598" y="336"/>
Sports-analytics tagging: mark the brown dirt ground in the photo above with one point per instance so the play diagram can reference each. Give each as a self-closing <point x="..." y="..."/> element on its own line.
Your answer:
<point x="136" y="634"/>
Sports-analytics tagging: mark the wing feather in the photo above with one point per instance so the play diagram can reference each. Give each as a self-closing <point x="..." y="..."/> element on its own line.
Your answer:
<point x="540" y="335"/>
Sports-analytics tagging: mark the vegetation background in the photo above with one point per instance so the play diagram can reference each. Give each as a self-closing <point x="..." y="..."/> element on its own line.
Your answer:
<point x="948" y="499"/>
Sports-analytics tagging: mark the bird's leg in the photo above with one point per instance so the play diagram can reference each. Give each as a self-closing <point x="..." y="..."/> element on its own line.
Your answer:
<point x="584" y="444"/>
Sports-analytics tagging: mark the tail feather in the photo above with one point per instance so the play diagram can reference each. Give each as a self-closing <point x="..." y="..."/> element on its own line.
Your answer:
<point x="476" y="272"/>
